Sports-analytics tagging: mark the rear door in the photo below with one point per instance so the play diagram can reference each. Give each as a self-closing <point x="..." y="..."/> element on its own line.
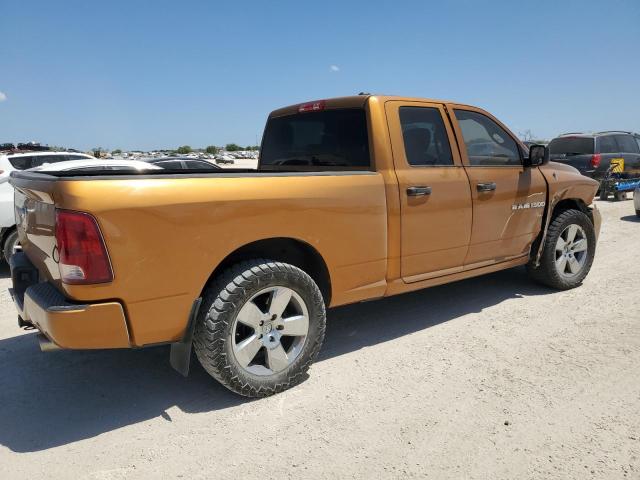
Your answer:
<point x="435" y="200"/>
<point x="508" y="199"/>
<point x="631" y="154"/>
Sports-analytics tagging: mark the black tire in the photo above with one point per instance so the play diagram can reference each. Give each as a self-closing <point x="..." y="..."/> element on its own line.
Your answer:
<point x="604" y="195"/>
<point x="637" y="213"/>
<point x="619" y="196"/>
<point x="9" y="245"/>
<point x="222" y="301"/>
<point x="547" y="273"/>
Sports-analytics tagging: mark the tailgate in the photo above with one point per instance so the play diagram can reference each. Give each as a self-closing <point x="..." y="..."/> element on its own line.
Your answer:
<point x="35" y="220"/>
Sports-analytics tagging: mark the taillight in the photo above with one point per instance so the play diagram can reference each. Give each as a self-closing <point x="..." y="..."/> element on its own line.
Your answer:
<point x="311" y="106"/>
<point x="595" y="160"/>
<point x="83" y="257"/>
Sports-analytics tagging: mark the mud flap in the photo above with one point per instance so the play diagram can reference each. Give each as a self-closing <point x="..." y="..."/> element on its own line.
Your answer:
<point x="180" y="356"/>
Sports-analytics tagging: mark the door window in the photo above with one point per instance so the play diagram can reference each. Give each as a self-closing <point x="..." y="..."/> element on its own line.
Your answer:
<point x="425" y="137"/>
<point x="608" y="144"/>
<point x="487" y="143"/>
<point x="626" y="143"/>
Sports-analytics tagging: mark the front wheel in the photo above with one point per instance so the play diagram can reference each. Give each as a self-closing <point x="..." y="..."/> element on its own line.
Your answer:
<point x="604" y="194"/>
<point x="261" y="326"/>
<point x="568" y="252"/>
<point x="10" y="245"/>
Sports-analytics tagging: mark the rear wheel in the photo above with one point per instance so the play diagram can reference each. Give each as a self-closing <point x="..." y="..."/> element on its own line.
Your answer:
<point x="637" y="213"/>
<point x="568" y="252"/>
<point x="10" y="245"/>
<point x="262" y="325"/>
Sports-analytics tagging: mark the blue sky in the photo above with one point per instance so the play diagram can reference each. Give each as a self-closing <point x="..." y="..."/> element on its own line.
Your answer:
<point x="135" y="74"/>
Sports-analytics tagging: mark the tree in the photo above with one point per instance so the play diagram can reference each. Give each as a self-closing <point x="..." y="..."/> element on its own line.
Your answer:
<point x="212" y="149"/>
<point x="232" y="147"/>
<point x="184" y="149"/>
<point x="253" y="147"/>
<point x="526" y="136"/>
<point x="97" y="152"/>
<point x="117" y="151"/>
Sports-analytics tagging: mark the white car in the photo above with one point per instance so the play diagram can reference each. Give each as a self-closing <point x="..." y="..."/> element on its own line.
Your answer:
<point x="636" y="200"/>
<point x="23" y="160"/>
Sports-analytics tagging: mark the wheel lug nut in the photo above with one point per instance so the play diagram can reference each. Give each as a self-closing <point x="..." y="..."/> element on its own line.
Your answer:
<point x="261" y="323"/>
<point x="273" y="317"/>
<point x="271" y="339"/>
<point x="260" y="336"/>
<point x="280" y="327"/>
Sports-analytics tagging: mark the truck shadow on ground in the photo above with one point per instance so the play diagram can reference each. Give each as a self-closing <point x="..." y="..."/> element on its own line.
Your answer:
<point x="630" y="218"/>
<point x="4" y="270"/>
<point x="48" y="400"/>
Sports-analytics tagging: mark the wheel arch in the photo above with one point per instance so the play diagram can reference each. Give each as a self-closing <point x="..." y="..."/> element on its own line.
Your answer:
<point x="283" y="249"/>
<point x="572" y="204"/>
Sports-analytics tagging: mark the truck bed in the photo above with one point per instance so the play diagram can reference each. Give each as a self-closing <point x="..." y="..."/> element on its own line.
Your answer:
<point x="166" y="232"/>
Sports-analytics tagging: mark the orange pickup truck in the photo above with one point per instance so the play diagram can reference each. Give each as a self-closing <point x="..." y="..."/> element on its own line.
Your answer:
<point x="355" y="198"/>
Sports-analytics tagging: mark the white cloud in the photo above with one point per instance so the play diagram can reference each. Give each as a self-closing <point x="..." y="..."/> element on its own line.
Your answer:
<point x="3" y="97"/>
<point x="334" y="68"/>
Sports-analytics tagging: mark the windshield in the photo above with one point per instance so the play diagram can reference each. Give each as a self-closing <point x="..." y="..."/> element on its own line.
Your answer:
<point x="321" y="140"/>
<point x="571" y="146"/>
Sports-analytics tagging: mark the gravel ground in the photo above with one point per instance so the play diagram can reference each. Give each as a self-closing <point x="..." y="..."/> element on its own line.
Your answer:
<point x="488" y="378"/>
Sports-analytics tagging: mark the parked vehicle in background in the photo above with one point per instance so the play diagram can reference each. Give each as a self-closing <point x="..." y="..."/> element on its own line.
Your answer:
<point x="224" y="159"/>
<point x="592" y="153"/>
<point x="96" y="165"/>
<point x="355" y="198"/>
<point x="12" y="159"/>
<point x="181" y="163"/>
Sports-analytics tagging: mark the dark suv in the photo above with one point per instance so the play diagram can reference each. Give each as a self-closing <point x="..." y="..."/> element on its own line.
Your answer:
<point x="591" y="153"/>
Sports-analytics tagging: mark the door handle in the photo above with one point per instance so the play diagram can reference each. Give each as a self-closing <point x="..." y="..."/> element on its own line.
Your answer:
<point x="486" y="187"/>
<point x="418" y="191"/>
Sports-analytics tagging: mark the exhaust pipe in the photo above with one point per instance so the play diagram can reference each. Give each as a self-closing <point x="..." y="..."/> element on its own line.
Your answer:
<point x="47" y="345"/>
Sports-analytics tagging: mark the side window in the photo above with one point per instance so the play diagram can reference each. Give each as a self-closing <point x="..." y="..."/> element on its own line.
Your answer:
<point x="171" y="164"/>
<point x="626" y="143"/>
<point x="608" y="144"/>
<point x="425" y="137"/>
<point x="196" y="164"/>
<point x="487" y="143"/>
<point x="42" y="159"/>
<point x="21" y="163"/>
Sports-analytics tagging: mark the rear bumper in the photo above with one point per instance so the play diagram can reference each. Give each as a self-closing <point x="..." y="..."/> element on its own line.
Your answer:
<point x="67" y="324"/>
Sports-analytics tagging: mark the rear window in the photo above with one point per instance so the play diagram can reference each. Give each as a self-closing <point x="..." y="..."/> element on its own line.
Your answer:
<point x="316" y="141"/>
<point x="20" y="163"/>
<point x="571" y="146"/>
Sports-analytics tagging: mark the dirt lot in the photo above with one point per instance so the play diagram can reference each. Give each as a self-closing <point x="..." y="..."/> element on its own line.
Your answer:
<point x="491" y="378"/>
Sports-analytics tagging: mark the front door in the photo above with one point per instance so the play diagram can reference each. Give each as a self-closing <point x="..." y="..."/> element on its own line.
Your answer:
<point x="435" y="201"/>
<point x="508" y="199"/>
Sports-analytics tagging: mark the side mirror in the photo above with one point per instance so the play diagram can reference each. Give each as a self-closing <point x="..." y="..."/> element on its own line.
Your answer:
<point x="538" y="155"/>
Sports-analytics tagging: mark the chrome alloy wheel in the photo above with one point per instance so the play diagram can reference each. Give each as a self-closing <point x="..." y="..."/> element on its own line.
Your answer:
<point x="270" y="330"/>
<point x="571" y="251"/>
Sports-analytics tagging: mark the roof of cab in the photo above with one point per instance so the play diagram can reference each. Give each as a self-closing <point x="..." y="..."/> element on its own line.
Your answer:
<point x="353" y="101"/>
